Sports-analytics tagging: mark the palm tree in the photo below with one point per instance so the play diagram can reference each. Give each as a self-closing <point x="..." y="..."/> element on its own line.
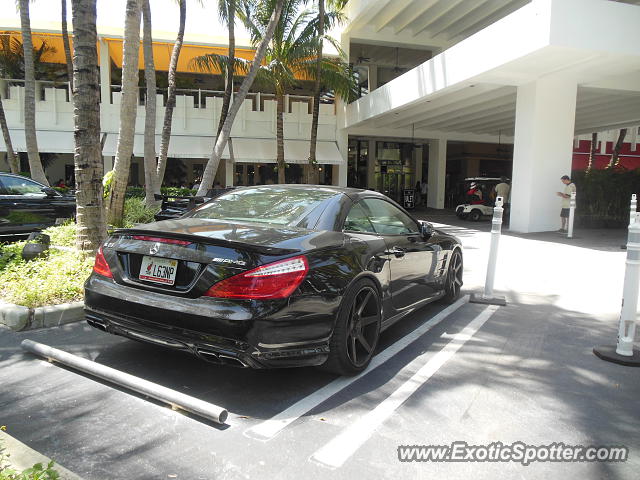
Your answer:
<point x="592" y="151"/>
<point x="312" y="171"/>
<point x="12" y="59"/>
<point x="150" y="165"/>
<point x="271" y="9"/>
<point x="128" y="111"/>
<point x="91" y="228"/>
<point x="65" y="41"/>
<point x="35" y="165"/>
<point x="171" y="97"/>
<point x="292" y="55"/>
<point x="14" y="164"/>
<point x="227" y="12"/>
<point x="615" y="155"/>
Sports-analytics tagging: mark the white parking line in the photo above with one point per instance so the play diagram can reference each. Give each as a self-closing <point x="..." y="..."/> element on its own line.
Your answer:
<point x="270" y="428"/>
<point x="338" y="450"/>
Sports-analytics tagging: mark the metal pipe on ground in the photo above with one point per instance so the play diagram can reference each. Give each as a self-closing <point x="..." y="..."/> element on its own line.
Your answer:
<point x="166" y="395"/>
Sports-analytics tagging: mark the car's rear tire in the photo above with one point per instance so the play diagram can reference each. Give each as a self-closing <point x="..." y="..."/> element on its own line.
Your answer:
<point x="357" y="329"/>
<point x="453" y="282"/>
<point x="460" y="213"/>
<point x="475" y="215"/>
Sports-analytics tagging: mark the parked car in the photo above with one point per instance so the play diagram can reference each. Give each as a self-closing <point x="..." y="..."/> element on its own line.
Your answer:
<point x="27" y="206"/>
<point x="274" y="276"/>
<point x="175" y="206"/>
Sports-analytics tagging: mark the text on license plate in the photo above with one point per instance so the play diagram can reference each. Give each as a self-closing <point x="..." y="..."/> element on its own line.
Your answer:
<point x="158" y="270"/>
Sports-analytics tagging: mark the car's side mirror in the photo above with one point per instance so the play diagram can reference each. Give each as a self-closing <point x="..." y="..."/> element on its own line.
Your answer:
<point x="49" y="192"/>
<point x="426" y="229"/>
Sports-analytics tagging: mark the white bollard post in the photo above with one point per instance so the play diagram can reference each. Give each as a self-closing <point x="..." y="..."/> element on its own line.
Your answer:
<point x="496" y="226"/>
<point x="572" y="212"/>
<point x="627" y="330"/>
<point x="633" y="208"/>
<point x="624" y="352"/>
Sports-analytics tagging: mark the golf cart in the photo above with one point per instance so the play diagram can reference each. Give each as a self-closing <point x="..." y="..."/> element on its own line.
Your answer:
<point x="475" y="206"/>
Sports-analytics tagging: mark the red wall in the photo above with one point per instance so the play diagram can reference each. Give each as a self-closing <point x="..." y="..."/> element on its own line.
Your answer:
<point x="629" y="159"/>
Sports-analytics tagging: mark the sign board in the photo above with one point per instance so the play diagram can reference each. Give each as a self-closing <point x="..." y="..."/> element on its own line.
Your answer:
<point x="409" y="198"/>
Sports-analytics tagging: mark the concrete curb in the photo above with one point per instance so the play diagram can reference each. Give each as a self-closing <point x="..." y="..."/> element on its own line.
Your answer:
<point x="19" y="318"/>
<point x="23" y="457"/>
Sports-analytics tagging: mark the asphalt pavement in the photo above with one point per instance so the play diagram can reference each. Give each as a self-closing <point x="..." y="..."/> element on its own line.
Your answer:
<point x="471" y="373"/>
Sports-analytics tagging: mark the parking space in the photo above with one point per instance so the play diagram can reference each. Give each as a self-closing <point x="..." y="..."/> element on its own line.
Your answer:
<point x="470" y="373"/>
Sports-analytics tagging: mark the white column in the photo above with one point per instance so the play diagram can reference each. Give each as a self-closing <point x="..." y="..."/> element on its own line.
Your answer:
<point x="417" y="158"/>
<point x="545" y="119"/>
<point x="105" y="73"/>
<point x="437" y="172"/>
<point x="371" y="164"/>
<point x="229" y="173"/>
<point x="373" y="77"/>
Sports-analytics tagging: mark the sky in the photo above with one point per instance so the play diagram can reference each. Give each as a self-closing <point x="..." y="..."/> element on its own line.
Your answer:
<point x="201" y="19"/>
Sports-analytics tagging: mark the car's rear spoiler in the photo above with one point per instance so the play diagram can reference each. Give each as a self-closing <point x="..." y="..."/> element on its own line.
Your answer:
<point x="195" y="238"/>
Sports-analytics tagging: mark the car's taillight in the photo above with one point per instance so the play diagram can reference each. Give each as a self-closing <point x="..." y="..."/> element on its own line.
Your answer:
<point x="101" y="267"/>
<point x="274" y="280"/>
<point x="171" y="241"/>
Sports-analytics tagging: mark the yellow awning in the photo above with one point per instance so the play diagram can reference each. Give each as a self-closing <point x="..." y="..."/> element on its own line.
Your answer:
<point x="161" y="51"/>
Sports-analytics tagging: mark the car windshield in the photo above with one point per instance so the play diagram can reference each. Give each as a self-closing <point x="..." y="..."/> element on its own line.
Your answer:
<point x="275" y="205"/>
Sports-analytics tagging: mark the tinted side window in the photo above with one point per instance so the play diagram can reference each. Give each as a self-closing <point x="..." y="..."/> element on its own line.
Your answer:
<point x="20" y="186"/>
<point x="387" y="219"/>
<point x="358" y="220"/>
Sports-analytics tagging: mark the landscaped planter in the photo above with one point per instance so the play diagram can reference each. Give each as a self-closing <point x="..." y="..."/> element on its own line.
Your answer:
<point x="19" y="318"/>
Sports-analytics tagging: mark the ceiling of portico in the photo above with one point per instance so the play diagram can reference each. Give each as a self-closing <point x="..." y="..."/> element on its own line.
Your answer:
<point x="486" y="109"/>
<point x="431" y="24"/>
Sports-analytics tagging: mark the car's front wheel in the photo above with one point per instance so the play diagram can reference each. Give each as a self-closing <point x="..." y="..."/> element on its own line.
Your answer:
<point x="453" y="282"/>
<point x="357" y="329"/>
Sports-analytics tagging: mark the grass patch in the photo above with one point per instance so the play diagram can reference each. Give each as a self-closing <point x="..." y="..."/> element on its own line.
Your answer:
<point x="37" y="472"/>
<point x="135" y="211"/>
<point x="55" y="278"/>
<point x="63" y="235"/>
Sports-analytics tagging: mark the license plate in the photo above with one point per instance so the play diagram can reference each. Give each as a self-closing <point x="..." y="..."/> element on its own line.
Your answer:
<point x="158" y="270"/>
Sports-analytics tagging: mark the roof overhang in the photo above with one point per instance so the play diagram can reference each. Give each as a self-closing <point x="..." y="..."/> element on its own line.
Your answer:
<point x="470" y="89"/>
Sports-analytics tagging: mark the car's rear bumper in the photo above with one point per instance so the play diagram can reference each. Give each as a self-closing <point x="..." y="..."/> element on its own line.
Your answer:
<point x="250" y="334"/>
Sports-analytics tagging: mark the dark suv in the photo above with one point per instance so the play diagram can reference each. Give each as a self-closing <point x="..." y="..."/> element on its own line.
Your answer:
<point x="28" y="206"/>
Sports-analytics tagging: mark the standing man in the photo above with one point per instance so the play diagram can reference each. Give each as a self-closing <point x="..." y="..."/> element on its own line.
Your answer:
<point x="566" y="202"/>
<point x="424" y="188"/>
<point x="503" y="189"/>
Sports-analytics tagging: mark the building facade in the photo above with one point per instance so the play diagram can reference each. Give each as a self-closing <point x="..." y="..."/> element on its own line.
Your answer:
<point x="448" y="89"/>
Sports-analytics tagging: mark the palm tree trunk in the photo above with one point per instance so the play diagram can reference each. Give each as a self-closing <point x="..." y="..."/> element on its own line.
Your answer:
<point x="615" y="156"/>
<point x="312" y="169"/>
<point x="223" y="137"/>
<point x="128" y="111"/>
<point x="65" y="41"/>
<point x="14" y="164"/>
<point x="592" y="150"/>
<point x="35" y="165"/>
<point x="282" y="178"/>
<point x="91" y="228"/>
<point x="150" y="165"/>
<point x="228" y="91"/>
<point x="171" y="97"/>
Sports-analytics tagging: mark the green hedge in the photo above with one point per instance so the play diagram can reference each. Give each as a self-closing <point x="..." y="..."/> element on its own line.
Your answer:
<point x="138" y="192"/>
<point x="603" y="196"/>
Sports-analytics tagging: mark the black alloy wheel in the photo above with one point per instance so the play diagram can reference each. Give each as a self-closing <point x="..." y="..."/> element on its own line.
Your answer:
<point x="453" y="283"/>
<point x="475" y="215"/>
<point x="355" y="337"/>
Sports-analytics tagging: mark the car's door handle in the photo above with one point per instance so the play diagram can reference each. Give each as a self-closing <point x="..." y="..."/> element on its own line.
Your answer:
<point x="397" y="251"/>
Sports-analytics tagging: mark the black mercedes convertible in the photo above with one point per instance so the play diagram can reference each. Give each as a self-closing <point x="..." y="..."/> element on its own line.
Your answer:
<point x="274" y="276"/>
